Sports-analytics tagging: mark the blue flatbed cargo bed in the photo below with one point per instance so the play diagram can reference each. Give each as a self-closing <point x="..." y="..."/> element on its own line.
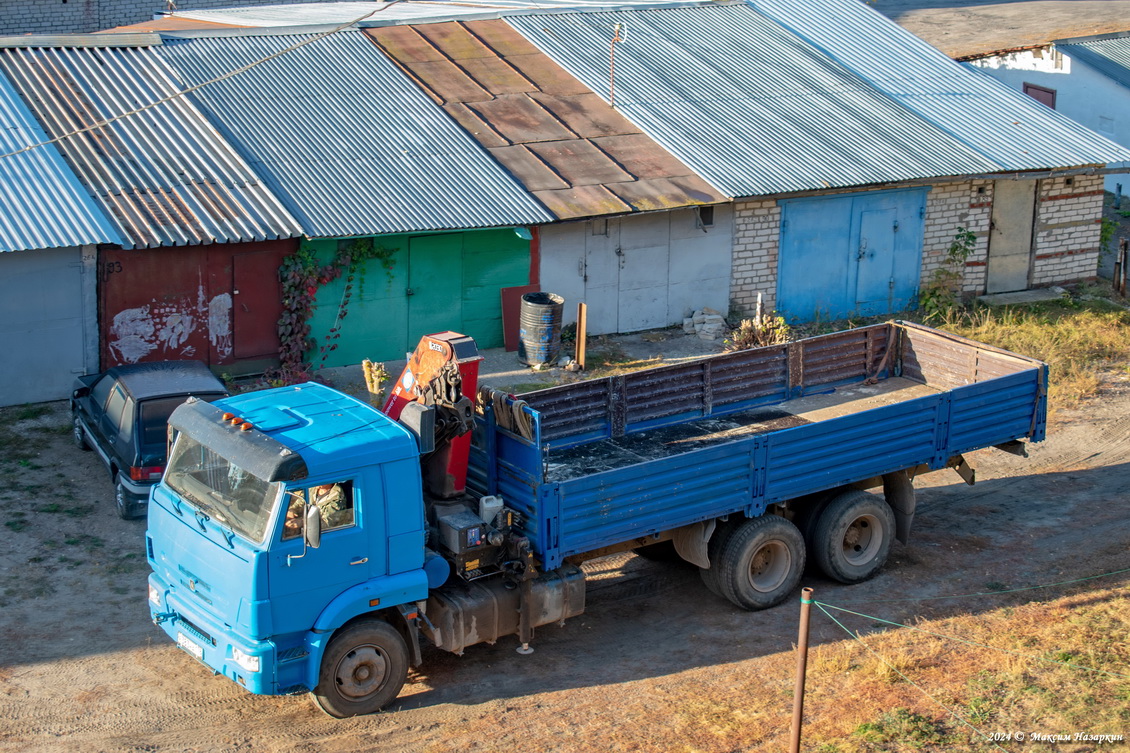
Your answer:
<point x="601" y="462"/>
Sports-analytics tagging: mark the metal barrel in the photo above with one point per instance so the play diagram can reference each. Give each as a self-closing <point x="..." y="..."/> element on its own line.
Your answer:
<point x="539" y="328"/>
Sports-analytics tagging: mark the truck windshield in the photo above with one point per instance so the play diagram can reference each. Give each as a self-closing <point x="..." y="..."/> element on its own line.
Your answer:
<point x="220" y="489"/>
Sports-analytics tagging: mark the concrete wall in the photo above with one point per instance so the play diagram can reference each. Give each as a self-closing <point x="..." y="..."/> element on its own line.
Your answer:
<point x="1065" y="243"/>
<point x="81" y="16"/>
<point x="1082" y="94"/>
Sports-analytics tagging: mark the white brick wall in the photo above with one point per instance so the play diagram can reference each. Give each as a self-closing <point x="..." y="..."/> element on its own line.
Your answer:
<point x="1068" y="218"/>
<point x="81" y="16"/>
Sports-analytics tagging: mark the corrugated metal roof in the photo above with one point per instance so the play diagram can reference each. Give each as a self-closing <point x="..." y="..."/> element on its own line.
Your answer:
<point x="574" y="152"/>
<point x="42" y="204"/>
<point x="314" y="14"/>
<point x="347" y="140"/>
<point x="1109" y="55"/>
<point x="164" y="176"/>
<point x="758" y="107"/>
<point x="1007" y="127"/>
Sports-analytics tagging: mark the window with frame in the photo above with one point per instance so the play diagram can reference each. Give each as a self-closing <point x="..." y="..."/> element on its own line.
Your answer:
<point x="334" y="501"/>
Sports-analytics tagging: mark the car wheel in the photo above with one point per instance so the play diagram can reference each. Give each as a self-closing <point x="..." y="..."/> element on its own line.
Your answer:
<point x="122" y="501"/>
<point x="761" y="562"/>
<point x="78" y="436"/>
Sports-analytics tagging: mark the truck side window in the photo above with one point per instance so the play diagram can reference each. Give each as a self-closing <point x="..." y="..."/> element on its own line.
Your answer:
<point x="334" y="500"/>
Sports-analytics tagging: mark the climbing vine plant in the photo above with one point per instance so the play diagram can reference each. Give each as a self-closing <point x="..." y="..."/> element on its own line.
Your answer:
<point x="301" y="276"/>
<point x="939" y="294"/>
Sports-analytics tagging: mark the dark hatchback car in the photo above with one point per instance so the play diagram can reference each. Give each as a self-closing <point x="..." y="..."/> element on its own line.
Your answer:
<point x="123" y="412"/>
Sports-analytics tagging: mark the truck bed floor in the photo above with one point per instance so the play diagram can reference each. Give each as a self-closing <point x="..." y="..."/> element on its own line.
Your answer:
<point x="667" y="441"/>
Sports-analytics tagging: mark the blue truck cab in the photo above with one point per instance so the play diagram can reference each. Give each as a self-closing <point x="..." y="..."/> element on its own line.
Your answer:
<point x="234" y="584"/>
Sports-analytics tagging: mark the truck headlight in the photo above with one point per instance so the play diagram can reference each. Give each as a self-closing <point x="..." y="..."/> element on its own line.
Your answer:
<point x="250" y="663"/>
<point x="154" y="595"/>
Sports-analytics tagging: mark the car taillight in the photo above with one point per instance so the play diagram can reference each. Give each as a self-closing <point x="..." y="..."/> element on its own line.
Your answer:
<point x="148" y="473"/>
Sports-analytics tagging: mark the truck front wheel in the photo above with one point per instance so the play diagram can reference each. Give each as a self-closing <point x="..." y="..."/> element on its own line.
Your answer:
<point x="760" y="562"/>
<point x="853" y="536"/>
<point x="363" y="670"/>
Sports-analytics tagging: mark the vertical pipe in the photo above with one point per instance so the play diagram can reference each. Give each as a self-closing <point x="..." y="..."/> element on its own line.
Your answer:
<point x="801" y="667"/>
<point x="582" y="334"/>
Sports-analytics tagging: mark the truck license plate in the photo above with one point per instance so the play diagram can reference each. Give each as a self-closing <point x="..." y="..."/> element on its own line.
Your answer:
<point x="191" y="647"/>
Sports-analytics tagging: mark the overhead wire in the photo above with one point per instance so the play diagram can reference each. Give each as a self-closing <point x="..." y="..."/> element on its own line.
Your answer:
<point x="196" y="87"/>
<point x="975" y="643"/>
<point x="920" y="689"/>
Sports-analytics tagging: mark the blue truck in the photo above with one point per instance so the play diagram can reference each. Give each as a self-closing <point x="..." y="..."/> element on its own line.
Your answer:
<point x="462" y="515"/>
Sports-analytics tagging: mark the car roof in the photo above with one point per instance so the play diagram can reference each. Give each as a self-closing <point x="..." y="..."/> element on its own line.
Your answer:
<point x="165" y="378"/>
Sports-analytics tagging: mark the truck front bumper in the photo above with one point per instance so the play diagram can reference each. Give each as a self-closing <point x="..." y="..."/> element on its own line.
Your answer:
<point x="257" y="665"/>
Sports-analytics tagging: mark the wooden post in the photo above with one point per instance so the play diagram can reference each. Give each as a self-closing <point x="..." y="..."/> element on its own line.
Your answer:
<point x="582" y="334"/>
<point x="801" y="667"/>
<point x="1120" y="270"/>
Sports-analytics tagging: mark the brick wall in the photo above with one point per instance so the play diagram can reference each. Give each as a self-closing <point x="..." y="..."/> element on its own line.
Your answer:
<point x="757" y="228"/>
<point x="1066" y="240"/>
<point x="1068" y="218"/>
<point x="81" y="16"/>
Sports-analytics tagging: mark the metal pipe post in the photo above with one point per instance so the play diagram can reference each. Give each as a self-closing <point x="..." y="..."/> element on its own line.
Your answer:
<point x="801" y="668"/>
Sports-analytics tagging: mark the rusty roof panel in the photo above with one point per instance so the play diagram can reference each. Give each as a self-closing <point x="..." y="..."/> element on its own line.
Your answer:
<point x="564" y="143"/>
<point x="664" y="193"/>
<point x="521" y="120"/>
<point x="455" y="41"/>
<point x="527" y="167"/>
<point x="642" y="156"/>
<point x="405" y="45"/>
<point x="584" y="201"/>
<point x="587" y="115"/>
<point x="448" y="82"/>
<point x="474" y="125"/>
<point x="494" y="75"/>
<point x="579" y="162"/>
<point x="547" y="75"/>
<point x="503" y="40"/>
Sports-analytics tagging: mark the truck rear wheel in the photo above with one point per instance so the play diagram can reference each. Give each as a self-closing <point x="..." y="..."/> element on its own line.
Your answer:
<point x="714" y="552"/>
<point x="760" y="562"/>
<point x="363" y="670"/>
<point x="853" y="536"/>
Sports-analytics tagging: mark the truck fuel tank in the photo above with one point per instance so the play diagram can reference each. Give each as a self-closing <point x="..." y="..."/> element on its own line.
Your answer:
<point x="482" y="611"/>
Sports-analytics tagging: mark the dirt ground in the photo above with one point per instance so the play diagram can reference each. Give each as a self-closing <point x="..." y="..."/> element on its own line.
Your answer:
<point x="651" y="666"/>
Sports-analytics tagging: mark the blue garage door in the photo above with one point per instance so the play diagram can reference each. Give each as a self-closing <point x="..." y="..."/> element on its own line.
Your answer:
<point x="852" y="254"/>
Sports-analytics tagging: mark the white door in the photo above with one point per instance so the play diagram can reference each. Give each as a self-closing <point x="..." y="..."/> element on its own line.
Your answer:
<point x="1010" y="236"/>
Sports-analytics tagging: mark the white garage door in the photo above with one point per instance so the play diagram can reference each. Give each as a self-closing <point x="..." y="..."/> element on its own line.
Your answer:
<point x="639" y="272"/>
<point x="41" y="324"/>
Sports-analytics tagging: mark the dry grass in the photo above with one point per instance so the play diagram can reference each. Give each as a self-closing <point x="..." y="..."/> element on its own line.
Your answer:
<point x="1078" y="339"/>
<point x="856" y="702"/>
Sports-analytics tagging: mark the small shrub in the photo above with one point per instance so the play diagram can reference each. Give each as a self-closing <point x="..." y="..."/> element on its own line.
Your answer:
<point x="901" y="725"/>
<point x="757" y="333"/>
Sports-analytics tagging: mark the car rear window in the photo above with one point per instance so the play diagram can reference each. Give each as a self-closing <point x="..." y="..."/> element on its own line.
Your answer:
<point x="155" y="418"/>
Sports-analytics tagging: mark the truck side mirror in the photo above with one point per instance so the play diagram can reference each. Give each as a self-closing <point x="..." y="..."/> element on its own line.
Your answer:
<point x="80" y="392"/>
<point x="313" y="527"/>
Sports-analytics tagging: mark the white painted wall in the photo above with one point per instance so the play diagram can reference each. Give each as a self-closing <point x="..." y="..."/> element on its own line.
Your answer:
<point x="643" y="271"/>
<point x="1082" y="94"/>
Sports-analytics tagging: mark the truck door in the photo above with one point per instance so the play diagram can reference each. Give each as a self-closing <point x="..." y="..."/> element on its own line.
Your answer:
<point x="303" y="580"/>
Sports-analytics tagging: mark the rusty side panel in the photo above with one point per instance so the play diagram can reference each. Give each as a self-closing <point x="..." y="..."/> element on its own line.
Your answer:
<point x="582" y="158"/>
<point x="170" y="304"/>
<point x="942" y="361"/>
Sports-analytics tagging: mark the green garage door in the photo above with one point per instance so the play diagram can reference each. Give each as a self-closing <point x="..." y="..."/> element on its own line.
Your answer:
<point x="423" y="284"/>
